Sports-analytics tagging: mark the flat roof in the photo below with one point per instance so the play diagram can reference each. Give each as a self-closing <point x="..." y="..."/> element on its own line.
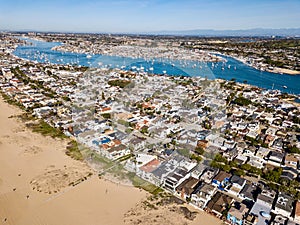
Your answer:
<point x="257" y="210"/>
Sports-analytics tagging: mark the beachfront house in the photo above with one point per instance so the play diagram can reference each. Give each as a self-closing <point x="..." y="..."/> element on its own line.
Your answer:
<point x="175" y="178"/>
<point x="219" y="203"/>
<point x="118" y="151"/>
<point x="187" y="187"/>
<point x="237" y="213"/>
<point x="201" y="196"/>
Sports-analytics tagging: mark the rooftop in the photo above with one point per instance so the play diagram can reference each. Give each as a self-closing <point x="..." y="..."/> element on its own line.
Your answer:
<point x="150" y="166"/>
<point x="218" y="202"/>
<point x="257" y="210"/>
<point x="238" y="210"/>
<point x="221" y="176"/>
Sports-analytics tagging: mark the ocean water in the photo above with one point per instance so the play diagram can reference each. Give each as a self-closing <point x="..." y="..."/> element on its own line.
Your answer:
<point x="231" y="69"/>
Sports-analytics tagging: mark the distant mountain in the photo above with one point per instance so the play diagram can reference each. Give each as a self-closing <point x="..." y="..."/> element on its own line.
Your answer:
<point x="294" y="32"/>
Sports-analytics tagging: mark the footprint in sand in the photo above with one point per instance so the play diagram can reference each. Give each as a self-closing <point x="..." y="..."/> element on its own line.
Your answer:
<point x="17" y="140"/>
<point x="5" y="137"/>
<point x="18" y="130"/>
<point x="33" y="150"/>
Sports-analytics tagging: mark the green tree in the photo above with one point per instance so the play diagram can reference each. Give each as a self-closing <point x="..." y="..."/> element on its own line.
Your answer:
<point x="199" y="150"/>
<point x="220" y="158"/>
<point x="273" y="175"/>
<point x="196" y="157"/>
<point x="246" y="167"/>
<point x="239" y="172"/>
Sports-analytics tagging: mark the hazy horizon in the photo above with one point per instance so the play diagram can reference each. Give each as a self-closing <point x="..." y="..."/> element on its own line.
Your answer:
<point x="140" y="16"/>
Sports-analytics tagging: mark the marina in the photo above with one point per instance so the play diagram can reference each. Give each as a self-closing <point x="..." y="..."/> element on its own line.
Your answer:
<point x="228" y="69"/>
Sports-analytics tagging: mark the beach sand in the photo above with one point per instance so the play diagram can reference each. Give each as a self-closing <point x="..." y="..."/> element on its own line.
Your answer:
<point x="167" y="209"/>
<point x="285" y="71"/>
<point x="35" y="174"/>
<point x="31" y="161"/>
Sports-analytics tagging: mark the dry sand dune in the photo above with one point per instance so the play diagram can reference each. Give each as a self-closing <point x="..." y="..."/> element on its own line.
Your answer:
<point x="35" y="174"/>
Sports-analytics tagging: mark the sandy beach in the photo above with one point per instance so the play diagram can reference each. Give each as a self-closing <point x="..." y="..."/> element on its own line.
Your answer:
<point x="35" y="174"/>
<point x="285" y="71"/>
<point x="34" y="182"/>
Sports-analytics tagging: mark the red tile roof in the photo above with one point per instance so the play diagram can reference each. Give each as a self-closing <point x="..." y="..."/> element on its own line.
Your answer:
<point x="150" y="166"/>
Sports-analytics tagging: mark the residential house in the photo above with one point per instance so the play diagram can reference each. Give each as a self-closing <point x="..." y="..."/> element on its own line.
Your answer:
<point x="241" y="159"/>
<point x="275" y="158"/>
<point x="291" y="161"/>
<point x="279" y="220"/>
<point x="266" y="197"/>
<point x="236" y="213"/>
<point x="42" y="112"/>
<point x="241" y="146"/>
<point x="237" y="184"/>
<point x="143" y="159"/>
<point x="231" y="153"/>
<point x="284" y="205"/>
<point x="249" y="152"/>
<point x="269" y="139"/>
<point x="229" y="144"/>
<point x="278" y="144"/>
<point x="159" y="173"/>
<point x="289" y="173"/>
<point x="290" y="222"/>
<point x="257" y="162"/>
<point x="203" y="194"/>
<point x="138" y="143"/>
<point x="158" y="176"/>
<point x="248" y="193"/>
<point x="297" y="212"/>
<point x="271" y="130"/>
<point x="202" y="143"/>
<point x="253" y="126"/>
<point x="262" y="152"/>
<point x="145" y="170"/>
<point x="187" y="187"/>
<point x="219" y="203"/>
<point x="117" y="152"/>
<point x="251" y="219"/>
<point x="263" y="204"/>
<point x="208" y="174"/>
<point x="221" y="180"/>
<point x="252" y="134"/>
<point x="175" y="178"/>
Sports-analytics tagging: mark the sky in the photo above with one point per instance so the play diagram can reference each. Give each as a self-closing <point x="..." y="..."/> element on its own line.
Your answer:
<point x="130" y="16"/>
